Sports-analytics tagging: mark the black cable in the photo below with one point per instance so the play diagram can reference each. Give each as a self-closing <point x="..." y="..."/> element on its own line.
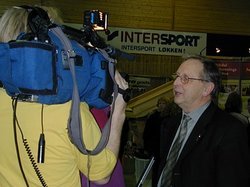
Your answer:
<point x="14" y="106"/>
<point x="41" y="143"/>
<point x="33" y="162"/>
<point x="42" y="117"/>
<point x="26" y="145"/>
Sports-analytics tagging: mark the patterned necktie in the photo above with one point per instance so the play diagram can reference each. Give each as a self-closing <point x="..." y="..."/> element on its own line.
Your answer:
<point x="172" y="157"/>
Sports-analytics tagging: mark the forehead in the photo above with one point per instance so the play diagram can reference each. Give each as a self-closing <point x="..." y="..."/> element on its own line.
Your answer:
<point x="191" y="67"/>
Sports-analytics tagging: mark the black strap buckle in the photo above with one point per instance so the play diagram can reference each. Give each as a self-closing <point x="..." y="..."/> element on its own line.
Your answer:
<point x="125" y="94"/>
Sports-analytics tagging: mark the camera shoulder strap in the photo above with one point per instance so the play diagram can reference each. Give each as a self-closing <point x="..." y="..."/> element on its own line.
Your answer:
<point x="74" y="121"/>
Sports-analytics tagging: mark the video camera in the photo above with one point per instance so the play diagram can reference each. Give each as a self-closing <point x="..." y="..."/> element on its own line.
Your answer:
<point x="94" y="20"/>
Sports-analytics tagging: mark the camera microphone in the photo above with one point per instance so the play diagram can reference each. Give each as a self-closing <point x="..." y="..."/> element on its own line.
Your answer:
<point x="41" y="149"/>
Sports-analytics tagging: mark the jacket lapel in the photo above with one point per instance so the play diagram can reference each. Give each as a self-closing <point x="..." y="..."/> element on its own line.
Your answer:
<point x="168" y="133"/>
<point x="198" y="131"/>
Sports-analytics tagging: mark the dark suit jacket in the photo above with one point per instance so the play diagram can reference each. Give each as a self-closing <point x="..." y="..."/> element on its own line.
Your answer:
<point x="215" y="154"/>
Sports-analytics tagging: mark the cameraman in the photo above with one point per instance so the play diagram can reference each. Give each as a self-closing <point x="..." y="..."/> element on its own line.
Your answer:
<point x="62" y="159"/>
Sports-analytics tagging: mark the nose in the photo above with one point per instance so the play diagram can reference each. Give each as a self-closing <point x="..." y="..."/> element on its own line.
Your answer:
<point x="177" y="81"/>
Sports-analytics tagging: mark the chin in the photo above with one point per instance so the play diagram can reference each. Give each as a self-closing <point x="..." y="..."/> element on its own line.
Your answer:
<point x="177" y="100"/>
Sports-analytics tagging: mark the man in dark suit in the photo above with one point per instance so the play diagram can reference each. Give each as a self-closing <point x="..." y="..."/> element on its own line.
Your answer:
<point x="212" y="150"/>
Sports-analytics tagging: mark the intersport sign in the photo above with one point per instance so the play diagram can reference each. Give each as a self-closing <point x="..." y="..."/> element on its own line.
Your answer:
<point x="156" y="42"/>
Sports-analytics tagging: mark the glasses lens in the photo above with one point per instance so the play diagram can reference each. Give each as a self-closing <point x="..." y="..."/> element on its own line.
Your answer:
<point x="184" y="79"/>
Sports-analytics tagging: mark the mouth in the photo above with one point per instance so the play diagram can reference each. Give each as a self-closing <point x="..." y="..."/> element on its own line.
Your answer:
<point x="177" y="93"/>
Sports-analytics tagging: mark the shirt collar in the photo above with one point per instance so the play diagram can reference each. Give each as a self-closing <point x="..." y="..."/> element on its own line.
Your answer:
<point x="195" y="115"/>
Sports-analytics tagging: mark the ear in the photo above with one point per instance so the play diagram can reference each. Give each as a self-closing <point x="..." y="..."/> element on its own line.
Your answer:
<point x="209" y="87"/>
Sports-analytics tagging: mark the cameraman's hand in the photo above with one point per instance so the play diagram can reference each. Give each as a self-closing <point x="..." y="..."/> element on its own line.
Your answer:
<point x="118" y="117"/>
<point x="123" y="85"/>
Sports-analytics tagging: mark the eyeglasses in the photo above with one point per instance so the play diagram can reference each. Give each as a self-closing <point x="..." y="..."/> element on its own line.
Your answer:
<point x="185" y="79"/>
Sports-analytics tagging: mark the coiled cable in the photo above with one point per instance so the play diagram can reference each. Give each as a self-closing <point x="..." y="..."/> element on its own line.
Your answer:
<point x="33" y="162"/>
<point x="26" y="145"/>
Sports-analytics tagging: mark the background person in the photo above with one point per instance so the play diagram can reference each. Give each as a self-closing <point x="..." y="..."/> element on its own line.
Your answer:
<point x="62" y="159"/>
<point x="151" y="134"/>
<point x="233" y="106"/>
<point x="248" y="127"/>
<point x="211" y="148"/>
